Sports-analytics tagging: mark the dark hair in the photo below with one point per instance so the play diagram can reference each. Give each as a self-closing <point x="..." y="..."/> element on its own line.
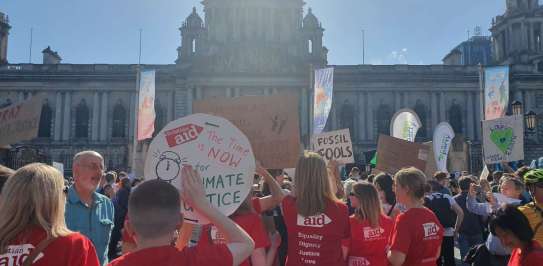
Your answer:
<point x="497" y="175"/>
<point x="439" y="175"/>
<point x="522" y="171"/>
<point x="5" y="173"/>
<point x="434" y="186"/>
<point x="465" y="182"/>
<point x="354" y="170"/>
<point x="384" y="182"/>
<point x="110" y="177"/>
<point x="509" y="218"/>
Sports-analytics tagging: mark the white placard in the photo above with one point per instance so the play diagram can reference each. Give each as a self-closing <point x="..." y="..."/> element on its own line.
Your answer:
<point x="59" y="167"/>
<point x="503" y="139"/>
<point x="213" y="146"/>
<point x="334" y="145"/>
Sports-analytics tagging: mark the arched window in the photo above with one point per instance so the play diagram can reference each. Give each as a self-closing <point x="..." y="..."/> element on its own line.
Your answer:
<point x="82" y="116"/>
<point x="310" y="46"/>
<point x="347" y="117"/>
<point x="384" y="114"/>
<point x="119" y="121"/>
<point x="46" y="120"/>
<point x="455" y="118"/>
<point x="160" y="119"/>
<point x="421" y="111"/>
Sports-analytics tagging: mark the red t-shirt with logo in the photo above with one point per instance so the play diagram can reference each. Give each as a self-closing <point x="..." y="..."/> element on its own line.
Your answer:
<point x="368" y="245"/>
<point x="251" y="223"/>
<point x="534" y="257"/>
<point x="73" y="249"/>
<point x="316" y="240"/>
<point x="216" y="255"/>
<point x="418" y="234"/>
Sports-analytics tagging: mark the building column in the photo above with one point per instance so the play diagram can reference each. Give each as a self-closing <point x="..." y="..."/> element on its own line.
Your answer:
<point x="190" y="99"/>
<point x="333" y="118"/>
<point x="229" y="92"/>
<point x="58" y="117"/>
<point x="104" y="121"/>
<point x="237" y="92"/>
<point x="198" y="93"/>
<point x="304" y="113"/>
<point x="132" y="109"/>
<point x="433" y="110"/>
<point x="67" y="124"/>
<point x="397" y="103"/>
<point x="442" y="110"/>
<point x="477" y="103"/>
<point x="470" y="119"/>
<point x="370" y="125"/>
<point x="361" y="121"/>
<point x="95" y="116"/>
<point x="170" y="105"/>
<point x="523" y="36"/>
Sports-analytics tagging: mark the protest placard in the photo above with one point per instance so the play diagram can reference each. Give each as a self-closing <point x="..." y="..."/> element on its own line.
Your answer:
<point x="394" y="154"/>
<point x="20" y="121"/>
<point x="59" y="167"/>
<point x="270" y="122"/>
<point x="503" y="139"/>
<point x="213" y="146"/>
<point x="335" y="145"/>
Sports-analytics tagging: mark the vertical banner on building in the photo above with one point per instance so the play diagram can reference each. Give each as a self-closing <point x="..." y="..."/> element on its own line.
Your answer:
<point x="443" y="136"/>
<point x="324" y="89"/>
<point x="496" y="91"/>
<point x="146" y="105"/>
<point x="405" y="124"/>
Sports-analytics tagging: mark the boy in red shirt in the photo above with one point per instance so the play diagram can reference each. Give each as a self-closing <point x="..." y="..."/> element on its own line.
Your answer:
<point x="154" y="215"/>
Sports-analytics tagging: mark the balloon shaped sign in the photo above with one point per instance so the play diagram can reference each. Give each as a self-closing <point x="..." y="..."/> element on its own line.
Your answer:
<point x="213" y="146"/>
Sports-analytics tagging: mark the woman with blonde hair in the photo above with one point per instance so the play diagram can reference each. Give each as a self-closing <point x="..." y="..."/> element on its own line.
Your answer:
<point x="417" y="234"/>
<point x="370" y="228"/>
<point x="32" y="226"/>
<point x="316" y="220"/>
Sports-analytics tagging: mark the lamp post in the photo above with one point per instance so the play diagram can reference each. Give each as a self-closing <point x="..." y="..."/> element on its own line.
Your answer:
<point x="530" y="120"/>
<point x="516" y="107"/>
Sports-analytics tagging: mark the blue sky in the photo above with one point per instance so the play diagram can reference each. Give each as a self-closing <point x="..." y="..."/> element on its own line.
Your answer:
<point x="107" y="31"/>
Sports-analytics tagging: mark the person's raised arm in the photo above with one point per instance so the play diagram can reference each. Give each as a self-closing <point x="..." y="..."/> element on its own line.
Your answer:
<point x="239" y="242"/>
<point x="277" y="194"/>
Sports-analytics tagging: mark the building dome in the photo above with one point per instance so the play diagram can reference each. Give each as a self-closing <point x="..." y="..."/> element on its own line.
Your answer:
<point x="310" y="21"/>
<point x="194" y="20"/>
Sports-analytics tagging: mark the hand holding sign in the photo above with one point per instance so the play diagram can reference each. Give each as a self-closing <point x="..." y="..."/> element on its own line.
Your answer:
<point x="192" y="191"/>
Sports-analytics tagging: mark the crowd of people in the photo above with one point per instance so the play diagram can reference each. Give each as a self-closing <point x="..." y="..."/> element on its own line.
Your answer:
<point x="312" y="218"/>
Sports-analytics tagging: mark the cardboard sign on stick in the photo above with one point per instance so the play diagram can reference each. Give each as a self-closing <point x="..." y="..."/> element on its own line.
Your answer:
<point x="270" y="122"/>
<point x="503" y="139"/>
<point x="394" y="154"/>
<point x="21" y="121"/>
<point x="213" y="146"/>
<point x="335" y="145"/>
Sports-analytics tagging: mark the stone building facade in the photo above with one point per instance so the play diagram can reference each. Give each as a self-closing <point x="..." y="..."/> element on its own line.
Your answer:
<point x="257" y="47"/>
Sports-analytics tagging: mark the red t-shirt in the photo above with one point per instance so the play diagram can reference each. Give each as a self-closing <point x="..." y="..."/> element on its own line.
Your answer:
<point x="216" y="255"/>
<point x="418" y="234"/>
<point x="251" y="223"/>
<point x="316" y="240"/>
<point x="368" y="245"/>
<point x="532" y="258"/>
<point x="73" y="249"/>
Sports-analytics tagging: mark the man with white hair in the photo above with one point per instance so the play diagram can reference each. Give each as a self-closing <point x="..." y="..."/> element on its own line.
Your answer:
<point x="87" y="211"/>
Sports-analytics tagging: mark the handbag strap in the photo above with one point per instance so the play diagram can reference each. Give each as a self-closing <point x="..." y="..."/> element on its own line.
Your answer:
<point x="35" y="252"/>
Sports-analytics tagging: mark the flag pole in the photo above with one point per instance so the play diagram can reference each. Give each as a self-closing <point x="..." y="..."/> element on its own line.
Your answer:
<point x="482" y="108"/>
<point x="136" y="109"/>
<point x="311" y="102"/>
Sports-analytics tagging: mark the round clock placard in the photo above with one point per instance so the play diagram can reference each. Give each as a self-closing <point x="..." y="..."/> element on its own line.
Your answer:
<point x="217" y="149"/>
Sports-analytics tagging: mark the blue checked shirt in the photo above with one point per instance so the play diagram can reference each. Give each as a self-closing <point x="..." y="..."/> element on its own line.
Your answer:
<point x="95" y="222"/>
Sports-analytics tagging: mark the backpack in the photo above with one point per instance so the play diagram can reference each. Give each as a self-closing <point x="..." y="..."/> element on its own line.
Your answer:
<point x="441" y="207"/>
